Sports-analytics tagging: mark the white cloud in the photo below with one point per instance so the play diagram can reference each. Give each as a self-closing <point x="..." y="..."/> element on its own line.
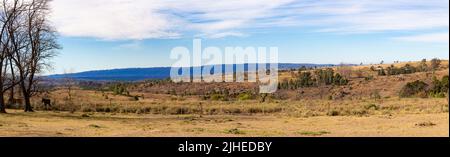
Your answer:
<point x="360" y="16"/>
<point x="222" y="35"/>
<point x="111" y="19"/>
<point x="133" y="45"/>
<point x="143" y="19"/>
<point x="435" y="38"/>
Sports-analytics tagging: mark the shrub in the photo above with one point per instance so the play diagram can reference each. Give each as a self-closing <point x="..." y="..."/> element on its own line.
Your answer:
<point x="440" y="87"/>
<point x="360" y="112"/>
<point x="94" y="126"/>
<point x="372" y="106"/>
<point x="305" y="79"/>
<point x="244" y="96"/>
<point x="312" y="133"/>
<point x="254" y="110"/>
<point x="425" y="124"/>
<point x="217" y="97"/>
<point x="369" y="78"/>
<point x="375" y="95"/>
<point x="418" y="88"/>
<point x="333" y="113"/>
<point x="413" y="89"/>
<point x="119" y="89"/>
<point x="235" y="131"/>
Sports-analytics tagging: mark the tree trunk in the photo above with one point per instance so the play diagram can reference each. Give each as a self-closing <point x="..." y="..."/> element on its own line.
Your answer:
<point x="13" y="79"/>
<point x="2" y="105"/>
<point x="11" y="96"/>
<point x="28" y="107"/>
<point x="2" y="99"/>
<point x="26" y="98"/>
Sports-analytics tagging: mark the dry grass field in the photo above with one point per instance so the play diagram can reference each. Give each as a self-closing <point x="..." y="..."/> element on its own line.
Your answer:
<point x="413" y="117"/>
<point x="326" y="111"/>
<point x="63" y="124"/>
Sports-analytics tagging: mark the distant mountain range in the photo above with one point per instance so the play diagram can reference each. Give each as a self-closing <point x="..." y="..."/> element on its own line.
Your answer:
<point x="137" y="74"/>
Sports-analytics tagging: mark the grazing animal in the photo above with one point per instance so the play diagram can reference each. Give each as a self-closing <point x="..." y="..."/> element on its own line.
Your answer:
<point x="46" y="102"/>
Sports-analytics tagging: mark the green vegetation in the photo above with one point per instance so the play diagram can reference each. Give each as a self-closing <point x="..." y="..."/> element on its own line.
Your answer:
<point x="409" y="69"/>
<point x="119" y="89"/>
<point x="245" y="96"/>
<point x="414" y="89"/>
<point x="329" y="77"/>
<point x="218" y="97"/>
<point x="320" y="77"/>
<point x="439" y="88"/>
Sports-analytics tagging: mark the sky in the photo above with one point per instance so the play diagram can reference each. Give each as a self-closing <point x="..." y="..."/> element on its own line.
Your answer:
<point x="109" y="34"/>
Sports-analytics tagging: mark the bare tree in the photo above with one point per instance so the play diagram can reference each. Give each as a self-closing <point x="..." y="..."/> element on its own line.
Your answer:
<point x="9" y="14"/>
<point x="69" y="83"/>
<point x="33" y="44"/>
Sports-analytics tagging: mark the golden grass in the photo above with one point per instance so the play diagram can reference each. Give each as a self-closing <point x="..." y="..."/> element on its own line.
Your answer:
<point x="91" y="101"/>
<point x="50" y="124"/>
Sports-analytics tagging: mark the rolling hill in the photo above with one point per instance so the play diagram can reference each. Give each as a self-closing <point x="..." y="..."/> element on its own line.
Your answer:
<point x="137" y="74"/>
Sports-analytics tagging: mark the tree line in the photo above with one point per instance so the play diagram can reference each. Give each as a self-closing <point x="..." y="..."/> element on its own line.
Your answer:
<point x="313" y="79"/>
<point x="27" y="43"/>
<point x="409" y="69"/>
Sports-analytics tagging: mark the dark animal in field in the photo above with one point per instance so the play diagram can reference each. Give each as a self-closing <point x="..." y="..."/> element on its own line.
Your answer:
<point x="46" y="102"/>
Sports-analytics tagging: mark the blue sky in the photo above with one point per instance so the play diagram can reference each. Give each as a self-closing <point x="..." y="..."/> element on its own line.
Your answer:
<point x="108" y="34"/>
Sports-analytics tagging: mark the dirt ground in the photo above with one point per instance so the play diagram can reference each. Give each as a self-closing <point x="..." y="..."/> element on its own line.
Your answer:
<point x="64" y="124"/>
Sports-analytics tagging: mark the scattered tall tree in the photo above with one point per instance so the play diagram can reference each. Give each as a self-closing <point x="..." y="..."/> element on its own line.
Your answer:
<point x="28" y="41"/>
<point x="8" y="15"/>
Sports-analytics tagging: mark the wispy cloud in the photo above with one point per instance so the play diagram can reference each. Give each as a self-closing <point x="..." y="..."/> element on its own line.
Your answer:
<point x="372" y="15"/>
<point x="143" y="19"/>
<point x="132" y="45"/>
<point x="112" y="19"/>
<point x="435" y="38"/>
<point x="222" y="35"/>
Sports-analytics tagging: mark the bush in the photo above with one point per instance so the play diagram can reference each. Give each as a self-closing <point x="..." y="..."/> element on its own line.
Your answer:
<point x="254" y="110"/>
<point x="375" y="95"/>
<point x="235" y="131"/>
<point x="360" y="112"/>
<point x="305" y="79"/>
<point x="440" y="87"/>
<point x="119" y="89"/>
<point x="333" y="113"/>
<point x="218" y="97"/>
<point x="372" y="106"/>
<point x="413" y="89"/>
<point x="244" y="96"/>
<point x="313" y="133"/>
<point x="369" y="78"/>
